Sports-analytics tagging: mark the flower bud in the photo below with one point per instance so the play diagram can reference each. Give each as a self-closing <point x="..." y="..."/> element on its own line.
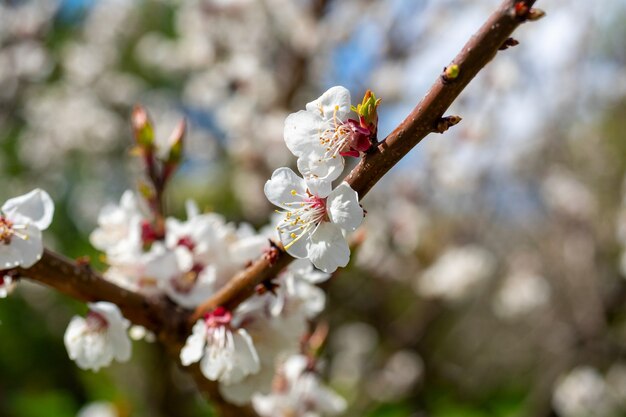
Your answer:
<point x="451" y="72"/>
<point x="142" y="128"/>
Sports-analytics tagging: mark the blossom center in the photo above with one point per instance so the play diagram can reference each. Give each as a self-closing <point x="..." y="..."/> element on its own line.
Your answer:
<point x="186" y="242"/>
<point x="96" y="322"/>
<point x="8" y="229"/>
<point x="218" y="317"/>
<point x="344" y="138"/>
<point x="302" y="216"/>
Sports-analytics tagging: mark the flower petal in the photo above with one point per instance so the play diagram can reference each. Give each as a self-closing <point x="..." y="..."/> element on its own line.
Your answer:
<point x="194" y="346"/>
<point x="335" y="102"/>
<point x="302" y="132"/>
<point x="296" y="247"/>
<point x="343" y="207"/>
<point x="319" y="174"/>
<point x="30" y="249"/>
<point x="280" y="188"/>
<point x="35" y="208"/>
<point x="327" y="248"/>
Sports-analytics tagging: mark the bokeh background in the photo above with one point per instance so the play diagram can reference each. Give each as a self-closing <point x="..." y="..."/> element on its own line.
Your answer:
<point x="490" y="282"/>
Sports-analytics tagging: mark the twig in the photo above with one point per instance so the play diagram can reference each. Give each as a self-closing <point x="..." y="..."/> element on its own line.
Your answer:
<point x="426" y="117"/>
<point x="171" y="323"/>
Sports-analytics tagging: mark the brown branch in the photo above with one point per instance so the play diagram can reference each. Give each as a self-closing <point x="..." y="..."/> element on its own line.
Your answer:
<point x="79" y="281"/>
<point x="158" y="314"/>
<point x="426" y="117"/>
<point x="172" y="323"/>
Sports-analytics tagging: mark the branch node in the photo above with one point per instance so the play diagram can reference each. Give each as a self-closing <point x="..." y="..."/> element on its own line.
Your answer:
<point x="267" y="286"/>
<point x="446" y="123"/>
<point x="510" y="42"/>
<point x="535" y="14"/>
<point x="272" y="253"/>
<point x="451" y="72"/>
<point x="523" y="12"/>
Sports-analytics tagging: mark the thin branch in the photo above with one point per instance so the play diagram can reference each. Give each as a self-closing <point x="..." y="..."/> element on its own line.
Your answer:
<point x="171" y="323"/>
<point x="158" y="314"/>
<point x="426" y="117"/>
<point x="78" y="280"/>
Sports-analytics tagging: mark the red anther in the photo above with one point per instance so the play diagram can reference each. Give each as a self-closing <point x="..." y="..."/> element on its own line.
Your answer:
<point x="186" y="242"/>
<point x="148" y="233"/>
<point x="218" y="317"/>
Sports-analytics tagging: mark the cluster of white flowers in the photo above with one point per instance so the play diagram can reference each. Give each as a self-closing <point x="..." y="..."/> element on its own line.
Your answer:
<point x="240" y="349"/>
<point x="298" y="392"/>
<point x="585" y="391"/>
<point x="188" y="260"/>
<point x="457" y="273"/>
<point x="21" y="221"/>
<point x="315" y="215"/>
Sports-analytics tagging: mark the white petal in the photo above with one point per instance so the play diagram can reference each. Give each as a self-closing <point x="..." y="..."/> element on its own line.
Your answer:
<point x="248" y="249"/>
<point x="72" y="335"/>
<point x="335" y="102"/>
<point x="194" y="346"/>
<point x="118" y="340"/>
<point x="214" y="363"/>
<point x="302" y="132"/>
<point x="329" y="402"/>
<point x="192" y="209"/>
<point x="343" y="207"/>
<point x="303" y="269"/>
<point x="248" y="357"/>
<point x="295" y="247"/>
<point x="241" y="392"/>
<point x="10" y="257"/>
<point x="312" y="166"/>
<point x="29" y="250"/>
<point x="35" y="207"/>
<point x="279" y="189"/>
<point x="294" y="367"/>
<point x="327" y="248"/>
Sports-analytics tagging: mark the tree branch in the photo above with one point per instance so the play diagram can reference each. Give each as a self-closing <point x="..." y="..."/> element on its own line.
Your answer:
<point x="172" y="323"/>
<point x="426" y="117"/>
<point x="157" y="314"/>
<point x="79" y="281"/>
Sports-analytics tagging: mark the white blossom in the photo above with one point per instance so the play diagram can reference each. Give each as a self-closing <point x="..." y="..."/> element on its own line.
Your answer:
<point x="119" y="227"/>
<point x="299" y="393"/>
<point x="225" y="354"/>
<point x="95" y="341"/>
<point x="521" y="293"/>
<point x="314" y="218"/>
<point x="583" y="392"/>
<point x="21" y="221"/>
<point x="322" y="134"/>
<point x="98" y="409"/>
<point x="457" y="273"/>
